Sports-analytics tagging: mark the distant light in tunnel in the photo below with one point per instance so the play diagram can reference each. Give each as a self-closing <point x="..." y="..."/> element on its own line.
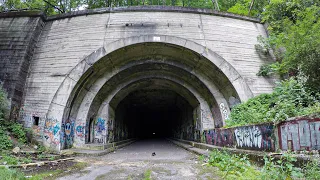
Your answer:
<point x="153" y="133"/>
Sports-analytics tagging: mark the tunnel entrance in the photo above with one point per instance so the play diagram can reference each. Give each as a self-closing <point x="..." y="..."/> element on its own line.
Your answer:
<point x="145" y="90"/>
<point x="153" y="113"/>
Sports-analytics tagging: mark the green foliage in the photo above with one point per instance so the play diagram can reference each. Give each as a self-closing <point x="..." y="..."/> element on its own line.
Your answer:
<point x="290" y="98"/>
<point x="41" y="148"/>
<point x="239" y="8"/>
<point x="26" y="160"/>
<point x="312" y="170"/>
<point x="232" y="166"/>
<point x="279" y="11"/>
<point x="239" y="167"/>
<point x="269" y="69"/>
<point x="18" y="132"/>
<point x="242" y="7"/>
<point x="280" y="169"/>
<point x="9" y="174"/>
<point x="4" y="106"/>
<point x="147" y="175"/>
<point x="9" y="159"/>
<point x="5" y="141"/>
<point x="294" y="26"/>
<point x="51" y="158"/>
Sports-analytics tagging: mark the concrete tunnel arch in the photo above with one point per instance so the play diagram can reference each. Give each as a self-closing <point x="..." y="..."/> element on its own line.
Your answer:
<point x="87" y="78"/>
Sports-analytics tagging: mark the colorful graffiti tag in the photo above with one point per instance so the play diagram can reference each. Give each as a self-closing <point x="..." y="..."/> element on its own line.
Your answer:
<point x="255" y="137"/>
<point x="69" y="132"/>
<point x="246" y="137"/>
<point x="219" y="137"/>
<point x="100" y="131"/>
<point x="80" y="130"/>
<point x="52" y="131"/>
<point x="301" y="134"/>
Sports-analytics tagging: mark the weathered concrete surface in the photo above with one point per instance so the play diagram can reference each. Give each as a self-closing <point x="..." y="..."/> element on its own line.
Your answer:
<point x="299" y="134"/>
<point x="253" y="137"/>
<point x="18" y="37"/>
<point x="132" y="162"/>
<point x="71" y="39"/>
<point x="84" y="61"/>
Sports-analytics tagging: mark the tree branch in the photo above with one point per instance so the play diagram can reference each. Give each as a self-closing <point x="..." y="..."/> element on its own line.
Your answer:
<point x="53" y="6"/>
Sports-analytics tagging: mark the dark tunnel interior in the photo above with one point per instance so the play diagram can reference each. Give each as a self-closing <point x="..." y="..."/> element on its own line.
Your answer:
<point x="152" y="113"/>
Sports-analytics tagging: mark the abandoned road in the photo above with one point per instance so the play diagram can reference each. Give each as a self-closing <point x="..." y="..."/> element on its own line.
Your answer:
<point x="136" y="162"/>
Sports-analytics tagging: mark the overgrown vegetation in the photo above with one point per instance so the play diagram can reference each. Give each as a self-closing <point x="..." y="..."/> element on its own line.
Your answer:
<point x="5" y="141"/>
<point x="312" y="170"/>
<point x="280" y="169"/>
<point x="294" y="37"/>
<point x="232" y="166"/>
<point x="290" y="98"/>
<point x="7" y="127"/>
<point x="239" y="167"/>
<point x="9" y="174"/>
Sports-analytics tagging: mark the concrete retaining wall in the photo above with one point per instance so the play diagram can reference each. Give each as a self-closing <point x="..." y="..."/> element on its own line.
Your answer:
<point x="296" y="134"/>
<point x="18" y="37"/>
<point x="299" y="134"/>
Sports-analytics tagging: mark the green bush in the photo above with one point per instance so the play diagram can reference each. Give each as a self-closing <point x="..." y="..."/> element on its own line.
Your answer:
<point x="290" y="98"/>
<point x="282" y="169"/>
<point x="312" y="170"/>
<point x="18" y="132"/>
<point x="294" y="36"/>
<point x="9" y="160"/>
<point x="232" y="166"/>
<point x="9" y="174"/>
<point x="5" y="141"/>
<point x="4" y="106"/>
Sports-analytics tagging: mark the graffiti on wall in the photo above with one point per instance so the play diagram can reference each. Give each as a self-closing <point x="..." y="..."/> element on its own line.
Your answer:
<point x="100" y="131"/>
<point x="302" y="134"/>
<point x="248" y="136"/>
<point x="69" y="132"/>
<point x="224" y="110"/>
<point x="52" y="131"/>
<point x="259" y="137"/>
<point x="255" y="137"/>
<point x="219" y="137"/>
<point x="110" y="123"/>
<point x="80" y="130"/>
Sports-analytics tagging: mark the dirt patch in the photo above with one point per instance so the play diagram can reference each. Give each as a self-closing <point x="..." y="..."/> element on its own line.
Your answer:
<point x="48" y="167"/>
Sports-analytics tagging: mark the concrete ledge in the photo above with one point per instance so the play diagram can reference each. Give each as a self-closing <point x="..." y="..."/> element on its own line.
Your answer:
<point x="96" y="152"/>
<point x="12" y="14"/>
<point x="179" y="9"/>
<point x="257" y="156"/>
<point x="152" y="9"/>
<point x="104" y="146"/>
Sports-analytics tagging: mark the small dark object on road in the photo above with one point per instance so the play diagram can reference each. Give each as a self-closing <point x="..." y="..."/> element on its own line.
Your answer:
<point x="153" y="154"/>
